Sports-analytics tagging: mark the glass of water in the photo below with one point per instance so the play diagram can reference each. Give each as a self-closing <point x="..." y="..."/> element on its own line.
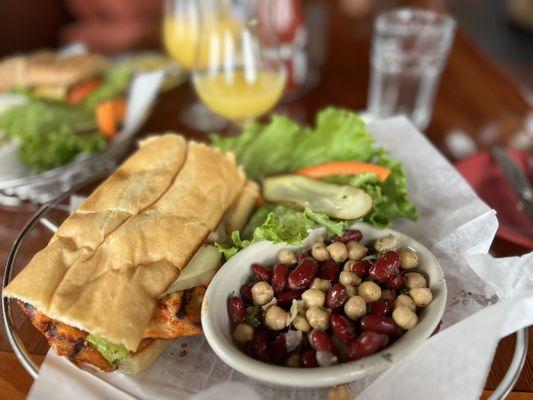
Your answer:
<point x="409" y="52"/>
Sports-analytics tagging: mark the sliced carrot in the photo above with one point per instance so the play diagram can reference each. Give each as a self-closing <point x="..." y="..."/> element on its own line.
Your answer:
<point x="109" y="115"/>
<point x="344" y="168"/>
<point x="80" y="92"/>
<point x="105" y="118"/>
<point x="119" y="107"/>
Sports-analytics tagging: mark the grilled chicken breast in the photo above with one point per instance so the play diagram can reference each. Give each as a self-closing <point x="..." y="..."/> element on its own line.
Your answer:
<point x="176" y="315"/>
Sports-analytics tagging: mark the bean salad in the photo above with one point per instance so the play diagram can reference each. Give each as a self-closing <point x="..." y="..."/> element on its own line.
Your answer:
<point x="335" y="302"/>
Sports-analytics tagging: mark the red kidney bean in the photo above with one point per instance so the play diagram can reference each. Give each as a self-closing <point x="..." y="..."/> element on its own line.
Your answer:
<point x="261" y="272"/>
<point x="379" y="324"/>
<point x="342" y="327"/>
<point x="279" y="347"/>
<point x="437" y="328"/>
<point x="286" y="297"/>
<point x="236" y="309"/>
<point x="302" y="256"/>
<point x="320" y="341"/>
<point x="349" y="235"/>
<point x="396" y="282"/>
<point x="385" y="267"/>
<point x="309" y="359"/>
<point x="361" y="268"/>
<point x="366" y="344"/>
<point x="382" y="307"/>
<point x="260" y="346"/>
<point x="280" y="273"/>
<point x="336" y="296"/>
<point x="302" y="276"/>
<point x="246" y="293"/>
<point x="330" y="270"/>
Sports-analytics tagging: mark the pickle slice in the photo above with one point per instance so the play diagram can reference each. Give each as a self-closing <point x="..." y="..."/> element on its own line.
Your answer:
<point x="342" y="202"/>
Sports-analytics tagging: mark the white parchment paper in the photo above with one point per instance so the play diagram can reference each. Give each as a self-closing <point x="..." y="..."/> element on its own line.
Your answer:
<point x="454" y="224"/>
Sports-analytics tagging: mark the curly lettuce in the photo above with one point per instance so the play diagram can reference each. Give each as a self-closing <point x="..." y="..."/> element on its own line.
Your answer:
<point x="48" y="133"/>
<point x="277" y="223"/>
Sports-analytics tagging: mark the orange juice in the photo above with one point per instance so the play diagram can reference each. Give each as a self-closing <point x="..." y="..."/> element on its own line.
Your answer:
<point x="240" y="96"/>
<point x="181" y="37"/>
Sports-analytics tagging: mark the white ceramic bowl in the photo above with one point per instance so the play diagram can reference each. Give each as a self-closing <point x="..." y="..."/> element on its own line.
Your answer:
<point x="234" y="273"/>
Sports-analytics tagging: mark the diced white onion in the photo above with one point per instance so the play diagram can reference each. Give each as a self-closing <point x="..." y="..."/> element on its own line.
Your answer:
<point x="293" y="339"/>
<point x="325" y="358"/>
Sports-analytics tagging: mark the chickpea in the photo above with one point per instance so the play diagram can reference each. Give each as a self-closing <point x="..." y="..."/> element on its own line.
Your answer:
<point x="355" y="307"/>
<point x="414" y="280"/>
<point x="408" y="259"/>
<point x="369" y="291"/>
<point x="349" y="278"/>
<point x="321" y="284"/>
<point x="338" y="251"/>
<point x="386" y="243"/>
<point x="318" y="318"/>
<point x="388" y="294"/>
<point x="314" y="297"/>
<point x="301" y="323"/>
<point x="351" y="290"/>
<point x="276" y="318"/>
<point x="405" y="318"/>
<point x="405" y="301"/>
<point x="293" y="361"/>
<point x="319" y="251"/>
<point x="243" y="333"/>
<point x="421" y="296"/>
<point x="341" y="392"/>
<point x="286" y="257"/>
<point x="356" y="250"/>
<point x="348" y="265"/>
<point x="262" y="293"/>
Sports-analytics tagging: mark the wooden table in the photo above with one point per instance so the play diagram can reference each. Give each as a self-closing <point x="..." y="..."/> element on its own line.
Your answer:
<point x="474" y="95"/>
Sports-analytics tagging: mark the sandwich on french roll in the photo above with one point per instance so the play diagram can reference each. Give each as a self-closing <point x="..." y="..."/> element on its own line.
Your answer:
<point x="126" y="272"/>
<point x="50" y="75"/>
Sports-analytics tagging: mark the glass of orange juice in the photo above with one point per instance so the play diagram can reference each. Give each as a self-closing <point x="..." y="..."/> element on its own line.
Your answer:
<point x="181" y="33"/>
<point x="239" y="74"/>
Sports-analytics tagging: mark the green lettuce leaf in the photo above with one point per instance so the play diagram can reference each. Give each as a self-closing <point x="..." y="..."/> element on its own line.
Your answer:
<point x="46" y="133"/>
<point x="338" y="135"/>
<point x="263" y="149"/>
<point x="111" y="351"/>
<point x="116" y="82"/>
<point x="277" y="224"/>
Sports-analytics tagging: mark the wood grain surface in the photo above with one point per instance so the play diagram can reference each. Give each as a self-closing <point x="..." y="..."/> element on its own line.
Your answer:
<point x="474" y="95"/>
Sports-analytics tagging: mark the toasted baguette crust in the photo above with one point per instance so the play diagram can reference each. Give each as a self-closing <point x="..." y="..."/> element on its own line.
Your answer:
<point x="105" y="277"/>
<point x="143" y="358"/>
<point x="46" y="68"/>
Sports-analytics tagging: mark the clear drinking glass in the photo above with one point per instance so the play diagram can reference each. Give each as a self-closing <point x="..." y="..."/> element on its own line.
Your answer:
<point x="239" y="74"/>
<point x="181" y="32"/>
<point x="409" y="51"/>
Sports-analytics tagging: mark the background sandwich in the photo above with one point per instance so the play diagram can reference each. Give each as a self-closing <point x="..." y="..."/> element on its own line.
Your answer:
<point x="106" y="290"/>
